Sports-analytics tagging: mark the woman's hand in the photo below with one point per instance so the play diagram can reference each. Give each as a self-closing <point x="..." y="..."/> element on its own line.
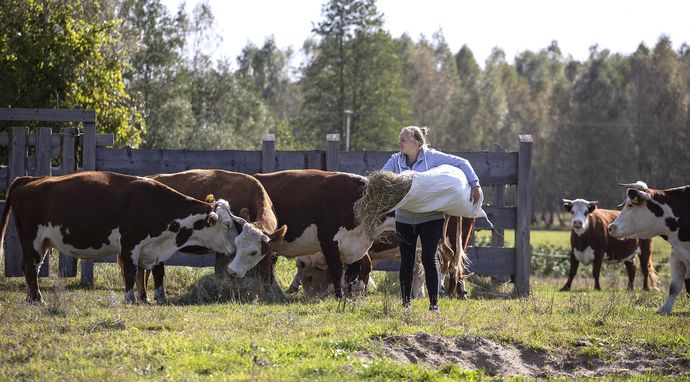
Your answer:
<point x="475" y="195"/>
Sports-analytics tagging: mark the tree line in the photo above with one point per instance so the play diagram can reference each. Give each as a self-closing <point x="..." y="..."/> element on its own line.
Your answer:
<point x="152" y="76"/>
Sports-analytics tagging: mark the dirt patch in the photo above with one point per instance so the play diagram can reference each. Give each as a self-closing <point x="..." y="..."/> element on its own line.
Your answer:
<point x="506" y="360"/>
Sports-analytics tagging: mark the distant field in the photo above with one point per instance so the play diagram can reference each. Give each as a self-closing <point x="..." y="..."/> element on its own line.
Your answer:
<point x="543" y="238"/>
<point x="91" y="335"/>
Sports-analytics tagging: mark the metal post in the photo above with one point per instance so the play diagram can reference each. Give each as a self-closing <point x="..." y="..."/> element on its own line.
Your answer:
<point x="348" y="114"/>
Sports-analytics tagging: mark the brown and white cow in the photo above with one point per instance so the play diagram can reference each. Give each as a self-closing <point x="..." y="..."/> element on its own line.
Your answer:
<point x="591" y="243"/>
<point x="312" y="275"/>
<point x="317" y="208"/>
<point x="97" y="214"/>
<point x="257" y="224"/>
<point x="666" y="213"/>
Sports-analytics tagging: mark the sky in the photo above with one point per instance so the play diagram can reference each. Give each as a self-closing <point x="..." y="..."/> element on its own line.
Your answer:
<point x="514" y="26"/>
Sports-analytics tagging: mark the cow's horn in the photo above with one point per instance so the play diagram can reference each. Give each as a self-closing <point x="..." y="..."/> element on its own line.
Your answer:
<point x="639" y="185"/>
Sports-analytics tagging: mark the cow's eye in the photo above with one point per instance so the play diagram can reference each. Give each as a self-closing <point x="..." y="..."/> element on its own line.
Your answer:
<point x="254" y="253"/>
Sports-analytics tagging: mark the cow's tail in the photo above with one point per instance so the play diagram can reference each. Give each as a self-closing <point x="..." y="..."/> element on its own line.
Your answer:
<point x="6" y="211"/>
<point x="647" y="246"/>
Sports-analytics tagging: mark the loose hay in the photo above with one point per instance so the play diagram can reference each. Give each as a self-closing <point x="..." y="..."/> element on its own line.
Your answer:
<point x="384" y="191"/>
<point x="212" y="289"/>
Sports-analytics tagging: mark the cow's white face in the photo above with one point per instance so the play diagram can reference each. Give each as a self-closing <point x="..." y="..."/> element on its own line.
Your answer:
<point x="580" y="208"/>
<point x="249" y="252"/>
<point x="641" y="217"/>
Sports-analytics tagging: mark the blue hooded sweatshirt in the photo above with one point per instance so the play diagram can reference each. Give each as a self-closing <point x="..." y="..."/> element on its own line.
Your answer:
<point x="427" y="159"/>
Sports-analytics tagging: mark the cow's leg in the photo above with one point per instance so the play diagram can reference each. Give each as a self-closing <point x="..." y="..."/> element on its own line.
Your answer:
<point x="417" y="288"/>
<point x="571" y="274"/>
<point x="294" y="287"/>
<point x="142" y="283"/>
<point x="357" y="274"/>
<point x="335" y="266"/>
<point x="649" y="281"/>
<point x="631" y="268"/>
<point x="596" y="268"/>
<point x="31" y="263"/>
<point x="677" y="275"/>
<point x="365" y="272"/>
<point x="351" y="273"/>
<point x="158" y="277"/>
<point x="687" y="286"/>
<point x="129" y="273"/>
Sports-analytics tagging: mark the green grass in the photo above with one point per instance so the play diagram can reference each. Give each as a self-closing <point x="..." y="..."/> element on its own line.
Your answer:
<point x="90" y="335"/>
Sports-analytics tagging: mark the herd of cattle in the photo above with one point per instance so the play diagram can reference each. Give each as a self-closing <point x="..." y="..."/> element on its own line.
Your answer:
<point x="306" y="214"/>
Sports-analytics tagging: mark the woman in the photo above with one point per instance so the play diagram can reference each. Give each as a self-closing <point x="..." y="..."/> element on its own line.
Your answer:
<point x="415" y="155"/>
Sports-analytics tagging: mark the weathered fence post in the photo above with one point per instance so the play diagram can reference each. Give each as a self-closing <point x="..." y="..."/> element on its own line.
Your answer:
<point x="497" y="239"/>
<point x="332" y="152"/>
<point x="268" y="153"/>
<point x="89" y="163"/>
<point x="17" y="167"/>
<point x="523" y="254"/>
<point x="44" y="156"/>
<point x="67" y="265"/>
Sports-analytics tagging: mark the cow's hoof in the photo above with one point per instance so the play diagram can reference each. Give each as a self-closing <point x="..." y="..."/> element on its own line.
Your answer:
<point x="565" y="288"/>
<point x="292" y="290"/>
<point x="35" y="301"/>
<point x="663" y="312"/>
<point x="129" y="297"/>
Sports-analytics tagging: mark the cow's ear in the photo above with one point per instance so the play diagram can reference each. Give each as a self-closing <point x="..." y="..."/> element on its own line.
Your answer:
<point x="592" y="206"/>
<point x="244" y="214"/>
<point x="278" y="234"/>
<point x="210" y="198"/>
<point x="637" y="197"/>
<point x="567" y="205"/>
<point x="212" y="218"/>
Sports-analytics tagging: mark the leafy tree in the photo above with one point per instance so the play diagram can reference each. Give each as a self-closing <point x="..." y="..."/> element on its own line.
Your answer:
<point x="154" y="39"/>
<point x="355" y="67"/>
<point x="51" y="56"/>
<point x="267" y="68"/>
<point x="465" y="132"/>
<point x="433" y="85"/>
<point x="658" y="90"/>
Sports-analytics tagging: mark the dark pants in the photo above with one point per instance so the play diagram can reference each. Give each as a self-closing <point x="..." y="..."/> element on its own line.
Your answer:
<point x="429" y="233"/>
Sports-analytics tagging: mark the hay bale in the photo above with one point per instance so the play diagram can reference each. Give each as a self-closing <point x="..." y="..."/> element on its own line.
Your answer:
<point x="213" y="289"/>
<point x="384" y="191"/>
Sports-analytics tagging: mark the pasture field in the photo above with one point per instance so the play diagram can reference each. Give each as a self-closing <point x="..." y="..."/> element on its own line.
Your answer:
<point x="91" y="335"/>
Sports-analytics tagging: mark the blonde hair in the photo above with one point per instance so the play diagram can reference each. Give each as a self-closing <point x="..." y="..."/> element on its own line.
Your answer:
<point x="417" y="133"/>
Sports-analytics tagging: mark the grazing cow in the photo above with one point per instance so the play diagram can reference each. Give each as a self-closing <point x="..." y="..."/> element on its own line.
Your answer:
<point x="311" y="270"/>
<point x="591" y="243"/>
<point x="317" y="208"/>
<point x="91" y="215"/>
<point x="666" y="213"/>
<point x="257" y="225"/>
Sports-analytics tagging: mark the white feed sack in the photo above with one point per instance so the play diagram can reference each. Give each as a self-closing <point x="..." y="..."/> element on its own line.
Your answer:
<point x="444" y="188"/>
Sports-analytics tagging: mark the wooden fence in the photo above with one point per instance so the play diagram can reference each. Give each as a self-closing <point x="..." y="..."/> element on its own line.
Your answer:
<point x="495" y="169"/>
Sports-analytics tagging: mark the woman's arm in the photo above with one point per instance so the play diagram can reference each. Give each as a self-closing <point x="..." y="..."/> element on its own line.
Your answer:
<point x="463" y="164"/>
<point x="391" y="164"/>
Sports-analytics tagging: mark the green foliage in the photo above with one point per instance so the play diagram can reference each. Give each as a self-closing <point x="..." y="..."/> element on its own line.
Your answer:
<point x="354" y="67"/>
<point x="51" y="56"/>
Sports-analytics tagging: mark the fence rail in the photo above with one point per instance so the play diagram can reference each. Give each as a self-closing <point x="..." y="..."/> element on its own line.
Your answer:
<point x="496" y="169"/>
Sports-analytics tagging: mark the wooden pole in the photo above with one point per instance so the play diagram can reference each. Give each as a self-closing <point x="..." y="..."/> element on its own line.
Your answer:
<point x="523" y="254"/>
